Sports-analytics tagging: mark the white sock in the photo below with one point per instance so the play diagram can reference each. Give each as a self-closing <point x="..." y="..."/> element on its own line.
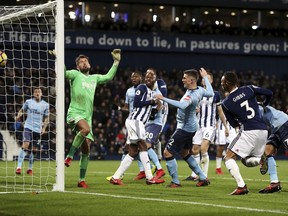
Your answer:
<point x="124" y="165"/>
<point x="146" y="164"/>
<point x="159" y="150"/>
<point x="218" y="162"/>
<point x="197" y="158"/>
<point x="205" y="163"/>
<point x="235" y="172"/>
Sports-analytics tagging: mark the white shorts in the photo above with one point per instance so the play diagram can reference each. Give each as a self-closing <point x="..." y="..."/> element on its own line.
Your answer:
<point x="207" y="133"/>
<point x="249" y="143"/>
<point x="232" y="135"/>
<point x="221" y="138"/>
<point x="135" y="131"/>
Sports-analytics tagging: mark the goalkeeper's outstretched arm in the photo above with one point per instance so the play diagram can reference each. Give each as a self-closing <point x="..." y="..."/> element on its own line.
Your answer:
<point x="116" y="54"/>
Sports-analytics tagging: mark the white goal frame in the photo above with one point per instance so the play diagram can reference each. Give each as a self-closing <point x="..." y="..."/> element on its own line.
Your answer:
<point x="59" y="184"/>
<point x="60" y="98"/>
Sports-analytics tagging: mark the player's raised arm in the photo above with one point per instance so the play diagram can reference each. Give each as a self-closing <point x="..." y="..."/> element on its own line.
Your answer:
<point x="116" y="55"/>
<point x="179" y="104"/>
<point x="209" y="89"/>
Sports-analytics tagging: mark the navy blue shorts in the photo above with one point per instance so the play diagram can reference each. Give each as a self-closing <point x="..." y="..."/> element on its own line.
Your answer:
<point x="152" y="133"/>
<point x="180" y="140"/>
<point x="279" y="137"/>
<point x="31" y="136"/>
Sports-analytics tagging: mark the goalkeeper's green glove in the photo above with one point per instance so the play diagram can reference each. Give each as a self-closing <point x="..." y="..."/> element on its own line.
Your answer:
<point x="116" y="54"/>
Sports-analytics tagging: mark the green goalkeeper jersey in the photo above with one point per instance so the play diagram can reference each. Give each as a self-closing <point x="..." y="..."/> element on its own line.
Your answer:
<point x="82" y="89"/>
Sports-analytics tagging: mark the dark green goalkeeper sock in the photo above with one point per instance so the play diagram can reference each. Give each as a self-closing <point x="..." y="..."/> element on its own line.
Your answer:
<point x="83" y="166"/>
<point x="77" y="142"/>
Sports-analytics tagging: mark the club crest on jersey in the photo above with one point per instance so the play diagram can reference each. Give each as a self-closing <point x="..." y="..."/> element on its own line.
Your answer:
<point x="138" y="92"/>
<point x="187" y="97"/>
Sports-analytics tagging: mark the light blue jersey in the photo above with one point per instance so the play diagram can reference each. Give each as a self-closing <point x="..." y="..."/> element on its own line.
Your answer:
<point x="186" y="112"/>
<point x="35" y="112"/>
<point x="129" y="98"/>
<point x="273" y="117"/>
<point x="160" y="117"/>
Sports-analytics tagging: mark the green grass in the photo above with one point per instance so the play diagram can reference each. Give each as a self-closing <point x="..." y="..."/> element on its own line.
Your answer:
<point x="137" y="198"/>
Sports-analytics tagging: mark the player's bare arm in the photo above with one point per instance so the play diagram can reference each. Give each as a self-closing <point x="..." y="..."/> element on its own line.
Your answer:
<point x="223" y="119"/>
<point x="159" y="96"/>
<point x="19" y="114"/>
<point x="45" y="124"/>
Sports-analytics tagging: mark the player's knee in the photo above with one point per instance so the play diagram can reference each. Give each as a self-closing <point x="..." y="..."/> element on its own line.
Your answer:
<point x="167" y="154"/>
<point x="85" y="131"/>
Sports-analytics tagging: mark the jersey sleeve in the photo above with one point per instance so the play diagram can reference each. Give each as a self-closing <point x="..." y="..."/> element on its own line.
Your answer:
<point x="262" y="91"/>
<point x="71" y="74"/>
<point x="230" y="117"/>
<point x="183" y="104"/>
<point x="25" y="106"/>
<point x="209" y="89"/>
<point x="162" y="87"/>
<point x="140" y="97"/>
<point x="46" y="111"/>
<point x="108" y="76"/>
<point x="127" y="97"/>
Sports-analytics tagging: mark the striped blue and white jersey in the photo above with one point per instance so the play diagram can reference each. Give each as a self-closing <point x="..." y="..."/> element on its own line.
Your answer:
<point x="159" y="117"/>
<point x="129" y="97"/>
<point x="273" y="117"/>
<point x="186" y="112"/>
<point x="208" y="110"/>
<point x="142" y="104"/>
<point x="241" y="108"/>
<point x="35" y="113"/>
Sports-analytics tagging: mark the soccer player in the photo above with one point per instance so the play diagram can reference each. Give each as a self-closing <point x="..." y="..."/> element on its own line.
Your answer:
<point x="79" y="116"/>
<point x="135" y="124"/>
<point x="278" y="125"/>
<point x="187" y="125"/>
<point x="154" y="128"/>
<point x="209" y="107"/>
<point x="241" y="109"/>
<point x="136" y="80"/>
<point x="34" y="127"/>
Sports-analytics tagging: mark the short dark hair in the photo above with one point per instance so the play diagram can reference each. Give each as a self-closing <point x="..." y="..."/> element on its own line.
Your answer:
<point x="137" y="72"/>
<point x="79" y="57"/>
<point x="36" y="87"/>
<point x="152" y="69"/>
<point x="231" y="78"/>
<point x="192" y="72"/>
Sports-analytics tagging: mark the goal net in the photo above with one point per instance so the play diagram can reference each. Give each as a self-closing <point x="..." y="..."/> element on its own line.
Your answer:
<point x="27" y="34"/>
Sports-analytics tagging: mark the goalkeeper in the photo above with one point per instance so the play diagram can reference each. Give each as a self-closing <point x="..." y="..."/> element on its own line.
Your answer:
<point x="79" y="116"/>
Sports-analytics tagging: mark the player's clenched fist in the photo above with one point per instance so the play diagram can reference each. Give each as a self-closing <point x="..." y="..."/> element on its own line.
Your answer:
<point x="116" y="54"/>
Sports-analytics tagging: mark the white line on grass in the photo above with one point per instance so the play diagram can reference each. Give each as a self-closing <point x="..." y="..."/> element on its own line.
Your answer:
<point x="182" y="202"/>
<point x="180" y="176"/>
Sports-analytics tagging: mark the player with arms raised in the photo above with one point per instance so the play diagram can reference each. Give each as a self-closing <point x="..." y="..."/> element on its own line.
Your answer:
<point x="79" y="116"/>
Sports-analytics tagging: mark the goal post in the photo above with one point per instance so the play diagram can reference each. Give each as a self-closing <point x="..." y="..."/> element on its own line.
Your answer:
<point x="27" y="34"/>
<point x="60" y="105"/>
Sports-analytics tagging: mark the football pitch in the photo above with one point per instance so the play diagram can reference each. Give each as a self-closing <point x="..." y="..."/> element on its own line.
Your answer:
<point x="137" y="198"/>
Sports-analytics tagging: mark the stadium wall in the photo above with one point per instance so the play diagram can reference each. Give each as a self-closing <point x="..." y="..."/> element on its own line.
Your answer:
<point x="181" y="51"/>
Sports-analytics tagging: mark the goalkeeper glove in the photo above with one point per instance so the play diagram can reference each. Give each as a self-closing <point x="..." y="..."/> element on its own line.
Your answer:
<point x="116" y="54"/>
